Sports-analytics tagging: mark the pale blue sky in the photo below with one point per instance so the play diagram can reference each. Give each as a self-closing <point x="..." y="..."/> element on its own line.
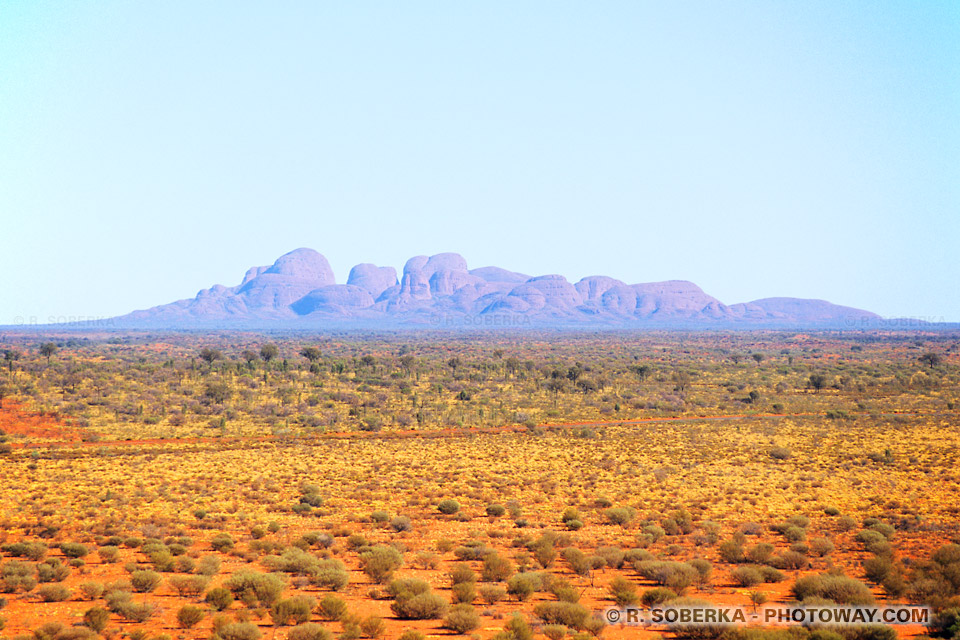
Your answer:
<point x="811" y="149"/>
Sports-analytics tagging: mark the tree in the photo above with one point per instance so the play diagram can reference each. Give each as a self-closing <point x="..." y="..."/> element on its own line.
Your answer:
<point x="641" y="371"/>
<point x="4" y="392"/>
<point x="818" y="381"/>
<point x="311" y="353"/>
<point x="208" y="355"/>
<point x="250" y="356"/>
<point x="47" y="349"/>
<point x="269" y="351"/>
<point x="930" y="359"/>
<point x="758" y="357"/>
<point x="10" y="356"/>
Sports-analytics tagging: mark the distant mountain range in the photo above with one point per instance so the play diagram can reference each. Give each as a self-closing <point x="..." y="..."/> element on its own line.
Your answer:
<point x="299" y="291"/>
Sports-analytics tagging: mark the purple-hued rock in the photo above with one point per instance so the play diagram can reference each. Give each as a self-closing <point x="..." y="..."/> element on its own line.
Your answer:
<point x="373" y="279"/>
<point x="298" y="290"/>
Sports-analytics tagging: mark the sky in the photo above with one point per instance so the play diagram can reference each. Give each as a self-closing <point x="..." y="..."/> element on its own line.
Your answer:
<point x="807" y="149"/>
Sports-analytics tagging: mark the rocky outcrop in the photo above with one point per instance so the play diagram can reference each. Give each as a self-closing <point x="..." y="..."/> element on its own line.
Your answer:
<point x="299" y="290"/>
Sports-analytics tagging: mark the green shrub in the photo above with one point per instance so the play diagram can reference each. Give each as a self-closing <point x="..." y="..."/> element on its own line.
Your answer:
<point x="372" y="627"/>
<point x="188" y="586"/>
<point x="332" y="608"/>
<point x="53" y="593"/>
<point x="461" y="618"/>
<point x="222" y="542"/>
<point x="496" y="568"/>
<point x="495" y="510"/>
<point x="380" y="562"/>
<point x="746" y="576"/>
<point x="492" y="594"/>
<point x="136" y="611"/>
<point x="294" y="610"/>
<point x="839" y="589"/>
<point x="330" y="574"/>
<point x="657" y="596"/>
<point x="464" y="592"/>
<point x="96" y="618"/>
<point x="448" y="506"/>
<point x="677" y="576"/>
<point x="523" y="585"/>
<point x="309" y="631"/>
<point x="188" y="616"/>
<point x="239" y="631"/>
<point x="423" y="606"/>
<point x="620" y="515"/>
<point x="568" y="614"/>
<point x="145" y="581"/>
<point x="254" y="588"/>
<point x="623" y="592"/>
<point x="74" y="549"/>
<point x="219" y="598"/>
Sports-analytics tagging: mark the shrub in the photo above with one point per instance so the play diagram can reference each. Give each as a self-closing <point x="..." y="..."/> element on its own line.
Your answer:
<point x="839" y="589"/>
<point x="697" y="630"/>
<point x="53" y="593"/>
<point x="821" y="546"/>
<point x="554" y="631"/>
<point x="566" y="613"/>
<point x="492" y="594"/>
<point x="372" y="627"/>
<point x="620" y="515"/>
<point x="109" y="554"/>
<point x="461" y="618"/>
<point x="746" y="577"/>
<point x="623" y="592"/>
<point x="464" y="592"/>
<point x="330" y="574"/>
<point x="380" y="562"/>
<point x="96" y="618"/>
<point x="309" y="631"/>
<point x="239" y="631"/>
<point x="209" y="565"/>
<point x="219" y="598"/>
<point x="731" y="551"/>
<point x="523" y="585"/>
<point x="448" y="507"/>
<point x="496" y="568"/>
<point x="188" y="586"/>
<point x="145" y="581"/>
<point x="401" y="523"/>
<point x="294" y="610"/>
<point x="189" y="616"/>
<point x="423" y="606"/>
<point x="781" y="453"/>
<point x="222" y="542"/>
<point x="759" y="553"/>
<point x="136" y="611"/>
<point x="412" y="634"/>
<point x="462" y="573"/>
<point x="703" y="569"/>
<point x="331" y="608"/>
<point x="91" y="590"/>
<point x="252" y="587"/>
<point x="945" y="624"/>
<point x="495" y="510"/>
<point x="656" y="596"/>
<point x="675" y="575"/>
<point x="74" y="549"/>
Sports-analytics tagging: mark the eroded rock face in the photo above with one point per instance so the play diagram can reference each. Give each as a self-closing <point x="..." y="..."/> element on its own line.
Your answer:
<point x="291" y="277"/>
<point x="372" y="279"/>
<point x="300" y="287"/>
